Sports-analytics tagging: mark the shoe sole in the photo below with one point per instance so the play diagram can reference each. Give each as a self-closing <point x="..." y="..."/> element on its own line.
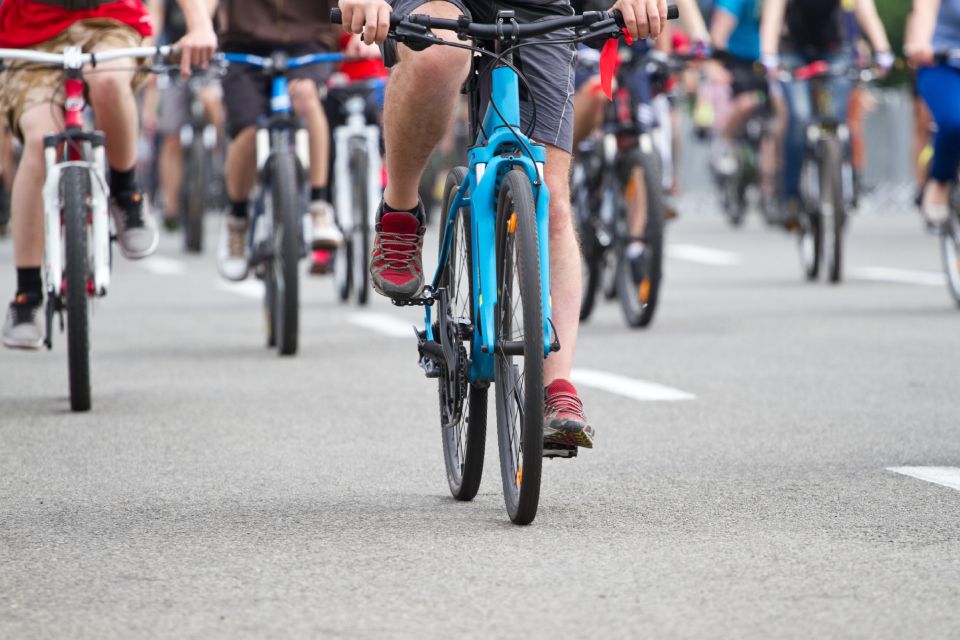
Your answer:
<point x="329" y="244"/>
<point x="23" y="347"/>
<point x="140" y="255"/>
<point x="394" y="295"/>
<point x="569" y="433"/>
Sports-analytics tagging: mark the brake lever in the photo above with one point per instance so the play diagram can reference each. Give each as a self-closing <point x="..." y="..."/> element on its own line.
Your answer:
<point x="416" y="36"/>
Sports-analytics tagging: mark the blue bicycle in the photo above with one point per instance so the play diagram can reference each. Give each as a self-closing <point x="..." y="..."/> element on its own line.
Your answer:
<point x="493" y="321"/>
<point x="277" y="239"/>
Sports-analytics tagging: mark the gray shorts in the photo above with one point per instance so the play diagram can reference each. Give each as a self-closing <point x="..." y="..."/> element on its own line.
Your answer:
<point x="549" y="69"/>
<point x="174" y="104"/>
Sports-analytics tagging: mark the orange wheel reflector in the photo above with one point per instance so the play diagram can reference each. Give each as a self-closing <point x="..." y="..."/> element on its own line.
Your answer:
<point x="644" y="291"/>
<point x="512" y="224"/>
<point x="630" y="192"/>
<point x="519" y="476"/>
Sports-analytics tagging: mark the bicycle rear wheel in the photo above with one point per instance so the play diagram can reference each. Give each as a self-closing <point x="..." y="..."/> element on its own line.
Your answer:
<point x="810" y="238"/>
<point x="287" y="249"/>
<point x="359" y="172"/>
<point x="639" y="289"/>
<point x="74" y="189"/>
<point x="195" y="195"/>
<point x="463" y="406"/>
<point x="519" y="353"/>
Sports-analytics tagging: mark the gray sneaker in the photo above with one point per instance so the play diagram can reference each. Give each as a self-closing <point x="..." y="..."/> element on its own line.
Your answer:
<point x="232" y="261"/>
<point x="23" y="328"/>
<point x="137" y="232"/>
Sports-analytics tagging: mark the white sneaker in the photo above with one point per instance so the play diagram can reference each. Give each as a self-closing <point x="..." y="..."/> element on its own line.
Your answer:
<point x="23" y="328"/>
<point x="232" y="261"/>
<point x="326" y="233"/>
<point x="137" y="232"/>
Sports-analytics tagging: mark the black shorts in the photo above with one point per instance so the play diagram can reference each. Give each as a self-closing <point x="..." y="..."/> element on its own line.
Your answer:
<point x="549" y="69"/>
<point x="747" y="78"/>
<point x="246" y="89"/>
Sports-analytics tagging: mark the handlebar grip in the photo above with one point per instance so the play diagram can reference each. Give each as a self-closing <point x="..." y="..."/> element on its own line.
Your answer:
<point x="673" y="12"/>
<point x="335" y="16"/>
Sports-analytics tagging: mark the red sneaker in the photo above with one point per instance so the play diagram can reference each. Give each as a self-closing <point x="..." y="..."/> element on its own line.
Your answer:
<point x="396" y="268"/>
<point x="563" y="419"/>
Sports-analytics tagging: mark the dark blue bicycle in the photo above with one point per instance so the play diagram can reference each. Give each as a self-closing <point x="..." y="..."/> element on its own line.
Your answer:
<point x="276" y="239"/>
<point x="491" y="288"/>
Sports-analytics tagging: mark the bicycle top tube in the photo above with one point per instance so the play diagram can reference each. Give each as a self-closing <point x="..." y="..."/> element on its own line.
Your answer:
<point x="417" y="26"/>
<point x="267" y="63"/>
<point x="63" y="59"/>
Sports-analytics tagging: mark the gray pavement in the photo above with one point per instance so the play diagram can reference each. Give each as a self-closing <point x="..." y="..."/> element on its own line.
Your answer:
<point x="217" y="490"/>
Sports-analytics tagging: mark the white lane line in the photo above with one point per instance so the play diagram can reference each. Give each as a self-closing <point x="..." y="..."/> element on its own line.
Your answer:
<point x="162" y="266"/>
<point x="387" y="325"/>
<point x="248" y="288"/>
<point x="944" y="476"/>
<point x="704" y="255"/>
<point x="899" y="276"/>
<point x="631" y="388"/>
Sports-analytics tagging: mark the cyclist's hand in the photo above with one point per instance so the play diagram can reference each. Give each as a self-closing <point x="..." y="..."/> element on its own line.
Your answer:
<point x="357" y="48"/>
<point x="919" y="55"/>
<point x="196" y="49"/>
<point x="369" y="18"/>
<point x="643" y="18"/>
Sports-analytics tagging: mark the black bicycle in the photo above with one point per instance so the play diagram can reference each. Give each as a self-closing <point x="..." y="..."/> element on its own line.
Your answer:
<point x="618" y="166"/>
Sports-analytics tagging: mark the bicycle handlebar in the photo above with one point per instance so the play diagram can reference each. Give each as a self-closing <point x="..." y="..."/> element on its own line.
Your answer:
<point x="264" y="62"/>
<point x="502" y="30"/>
<point x="42" y="57"/>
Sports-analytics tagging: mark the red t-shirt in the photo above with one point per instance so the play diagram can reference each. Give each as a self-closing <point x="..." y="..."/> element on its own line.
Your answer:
<point x="25" y="23"/>
<point x="363" y="69"/>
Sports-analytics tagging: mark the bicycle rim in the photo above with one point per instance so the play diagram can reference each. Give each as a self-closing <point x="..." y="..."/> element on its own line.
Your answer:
<point x="519" y="378"/>
<point x="463" y="441"/>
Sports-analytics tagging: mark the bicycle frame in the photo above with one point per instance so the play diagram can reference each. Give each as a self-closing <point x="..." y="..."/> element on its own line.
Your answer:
<point x="500" y="147"/>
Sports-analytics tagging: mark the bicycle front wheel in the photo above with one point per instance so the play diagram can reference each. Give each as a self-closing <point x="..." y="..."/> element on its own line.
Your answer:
<point x="463" y="406"/>
<point x="287" y="249"/>
<point x="359" y="172"/>
<point x="832" y="207"/>
<point x="74" y="189"/>
<point x="519" y="353"/>
<point x="950" y="250"/>
<point x="195" y="196"/>
<point x="638" y="280"/>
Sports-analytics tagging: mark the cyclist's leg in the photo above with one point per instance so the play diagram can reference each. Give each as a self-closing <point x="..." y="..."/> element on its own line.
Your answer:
<point x="940" y="88"/>
<point x="799" y="109"/>
<point x="111" y="91"/>
<point x="173" y="115"/>
<point x="588" y="106"/>
<point x="420" y="104"/>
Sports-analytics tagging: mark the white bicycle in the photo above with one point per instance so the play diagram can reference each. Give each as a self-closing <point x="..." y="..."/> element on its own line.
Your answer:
<point x="77" y="236"/>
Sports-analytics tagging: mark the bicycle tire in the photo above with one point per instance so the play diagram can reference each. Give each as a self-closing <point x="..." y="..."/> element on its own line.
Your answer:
<point x="519" y="394"/>
<point x="359" y="172"/>
<point x="832" y="177"/>
<point x="287" y="250"/>
<point x="343" y="268"/>
<point x="590" y="250"/>
<point x="810" y="236"/>
<point x="639" y="299"/>
<point x="464" y="442"/>
<point x="950" y="252"/>
<point x="74" y="189"/>
<point x="195" y="195"/>
<point x="269" y="304"/>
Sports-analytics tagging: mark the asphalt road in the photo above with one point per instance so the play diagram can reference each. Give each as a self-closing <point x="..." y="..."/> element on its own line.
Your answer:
<point x="217" y="490"/>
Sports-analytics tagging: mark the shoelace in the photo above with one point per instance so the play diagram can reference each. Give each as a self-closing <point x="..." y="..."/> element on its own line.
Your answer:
<point x="398" y="250"/>
<point x="132" y="207"/>
<point x="564" y="402"/>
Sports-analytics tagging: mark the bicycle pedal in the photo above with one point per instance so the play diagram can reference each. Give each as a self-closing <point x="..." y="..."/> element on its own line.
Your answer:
<point x="553" y="450"/>
<point x="419" y="301"/>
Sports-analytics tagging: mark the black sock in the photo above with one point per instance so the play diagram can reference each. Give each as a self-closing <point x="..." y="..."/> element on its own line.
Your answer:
<point x="386" y="208"/>
<point x="319" y="193"/>
<point x="29" y="282"/>
<point x="123" y="181"/>
<point x="240" y="209"/>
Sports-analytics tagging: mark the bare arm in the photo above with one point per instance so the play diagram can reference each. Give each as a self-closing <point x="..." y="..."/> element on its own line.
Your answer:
<point x="200" y="43"/>
<point x="771" y="25"/>
<point x="692" y="19"/>
<point x="920" y="28"/>
<point x="721" y="27"/>
<point x="870" y="22"/>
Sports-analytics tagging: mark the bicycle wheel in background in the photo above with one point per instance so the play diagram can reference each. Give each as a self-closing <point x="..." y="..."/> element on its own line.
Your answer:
<point x="639" y="288"/>
<point x="343" y="267"/>
<point x="519" y="353"/>
<point x="950" y="250"/>
<point x="832" y="207"/>
<point x="74" y="189"/>
<point x="287" y="249"/>
<point x="463" y="406"/>
<point x="195" y="194"/>
<point x="360" y="249"/>
<point x="591" y="252"/>
<point x="810" y="237"/>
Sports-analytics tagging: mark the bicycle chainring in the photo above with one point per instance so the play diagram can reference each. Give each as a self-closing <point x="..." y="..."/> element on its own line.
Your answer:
<point x="453" y="380"/>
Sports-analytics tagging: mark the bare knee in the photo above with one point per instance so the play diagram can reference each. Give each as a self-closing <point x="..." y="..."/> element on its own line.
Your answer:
<point x="436" y="69"/>
<point x="107" y="90"/>
<point x="304" y="97"/>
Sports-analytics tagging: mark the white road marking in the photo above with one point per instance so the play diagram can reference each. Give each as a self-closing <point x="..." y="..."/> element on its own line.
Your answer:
<point x="631" y="388"/>
<point x="163" y="266"/>
<point x="704" y="255"/>
<point x="247" y="288"/>
<point x="944" y="476"/>
<point x="899" y="276"/>
<point x="384" y="324"/>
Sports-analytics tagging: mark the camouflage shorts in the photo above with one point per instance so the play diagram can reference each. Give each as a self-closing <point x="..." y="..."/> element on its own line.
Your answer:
<point x="25" y="86"/>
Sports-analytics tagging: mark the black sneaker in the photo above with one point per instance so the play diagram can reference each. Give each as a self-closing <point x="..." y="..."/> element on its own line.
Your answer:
<point x="137" y="232"/>
<point x="23" y="328"/>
